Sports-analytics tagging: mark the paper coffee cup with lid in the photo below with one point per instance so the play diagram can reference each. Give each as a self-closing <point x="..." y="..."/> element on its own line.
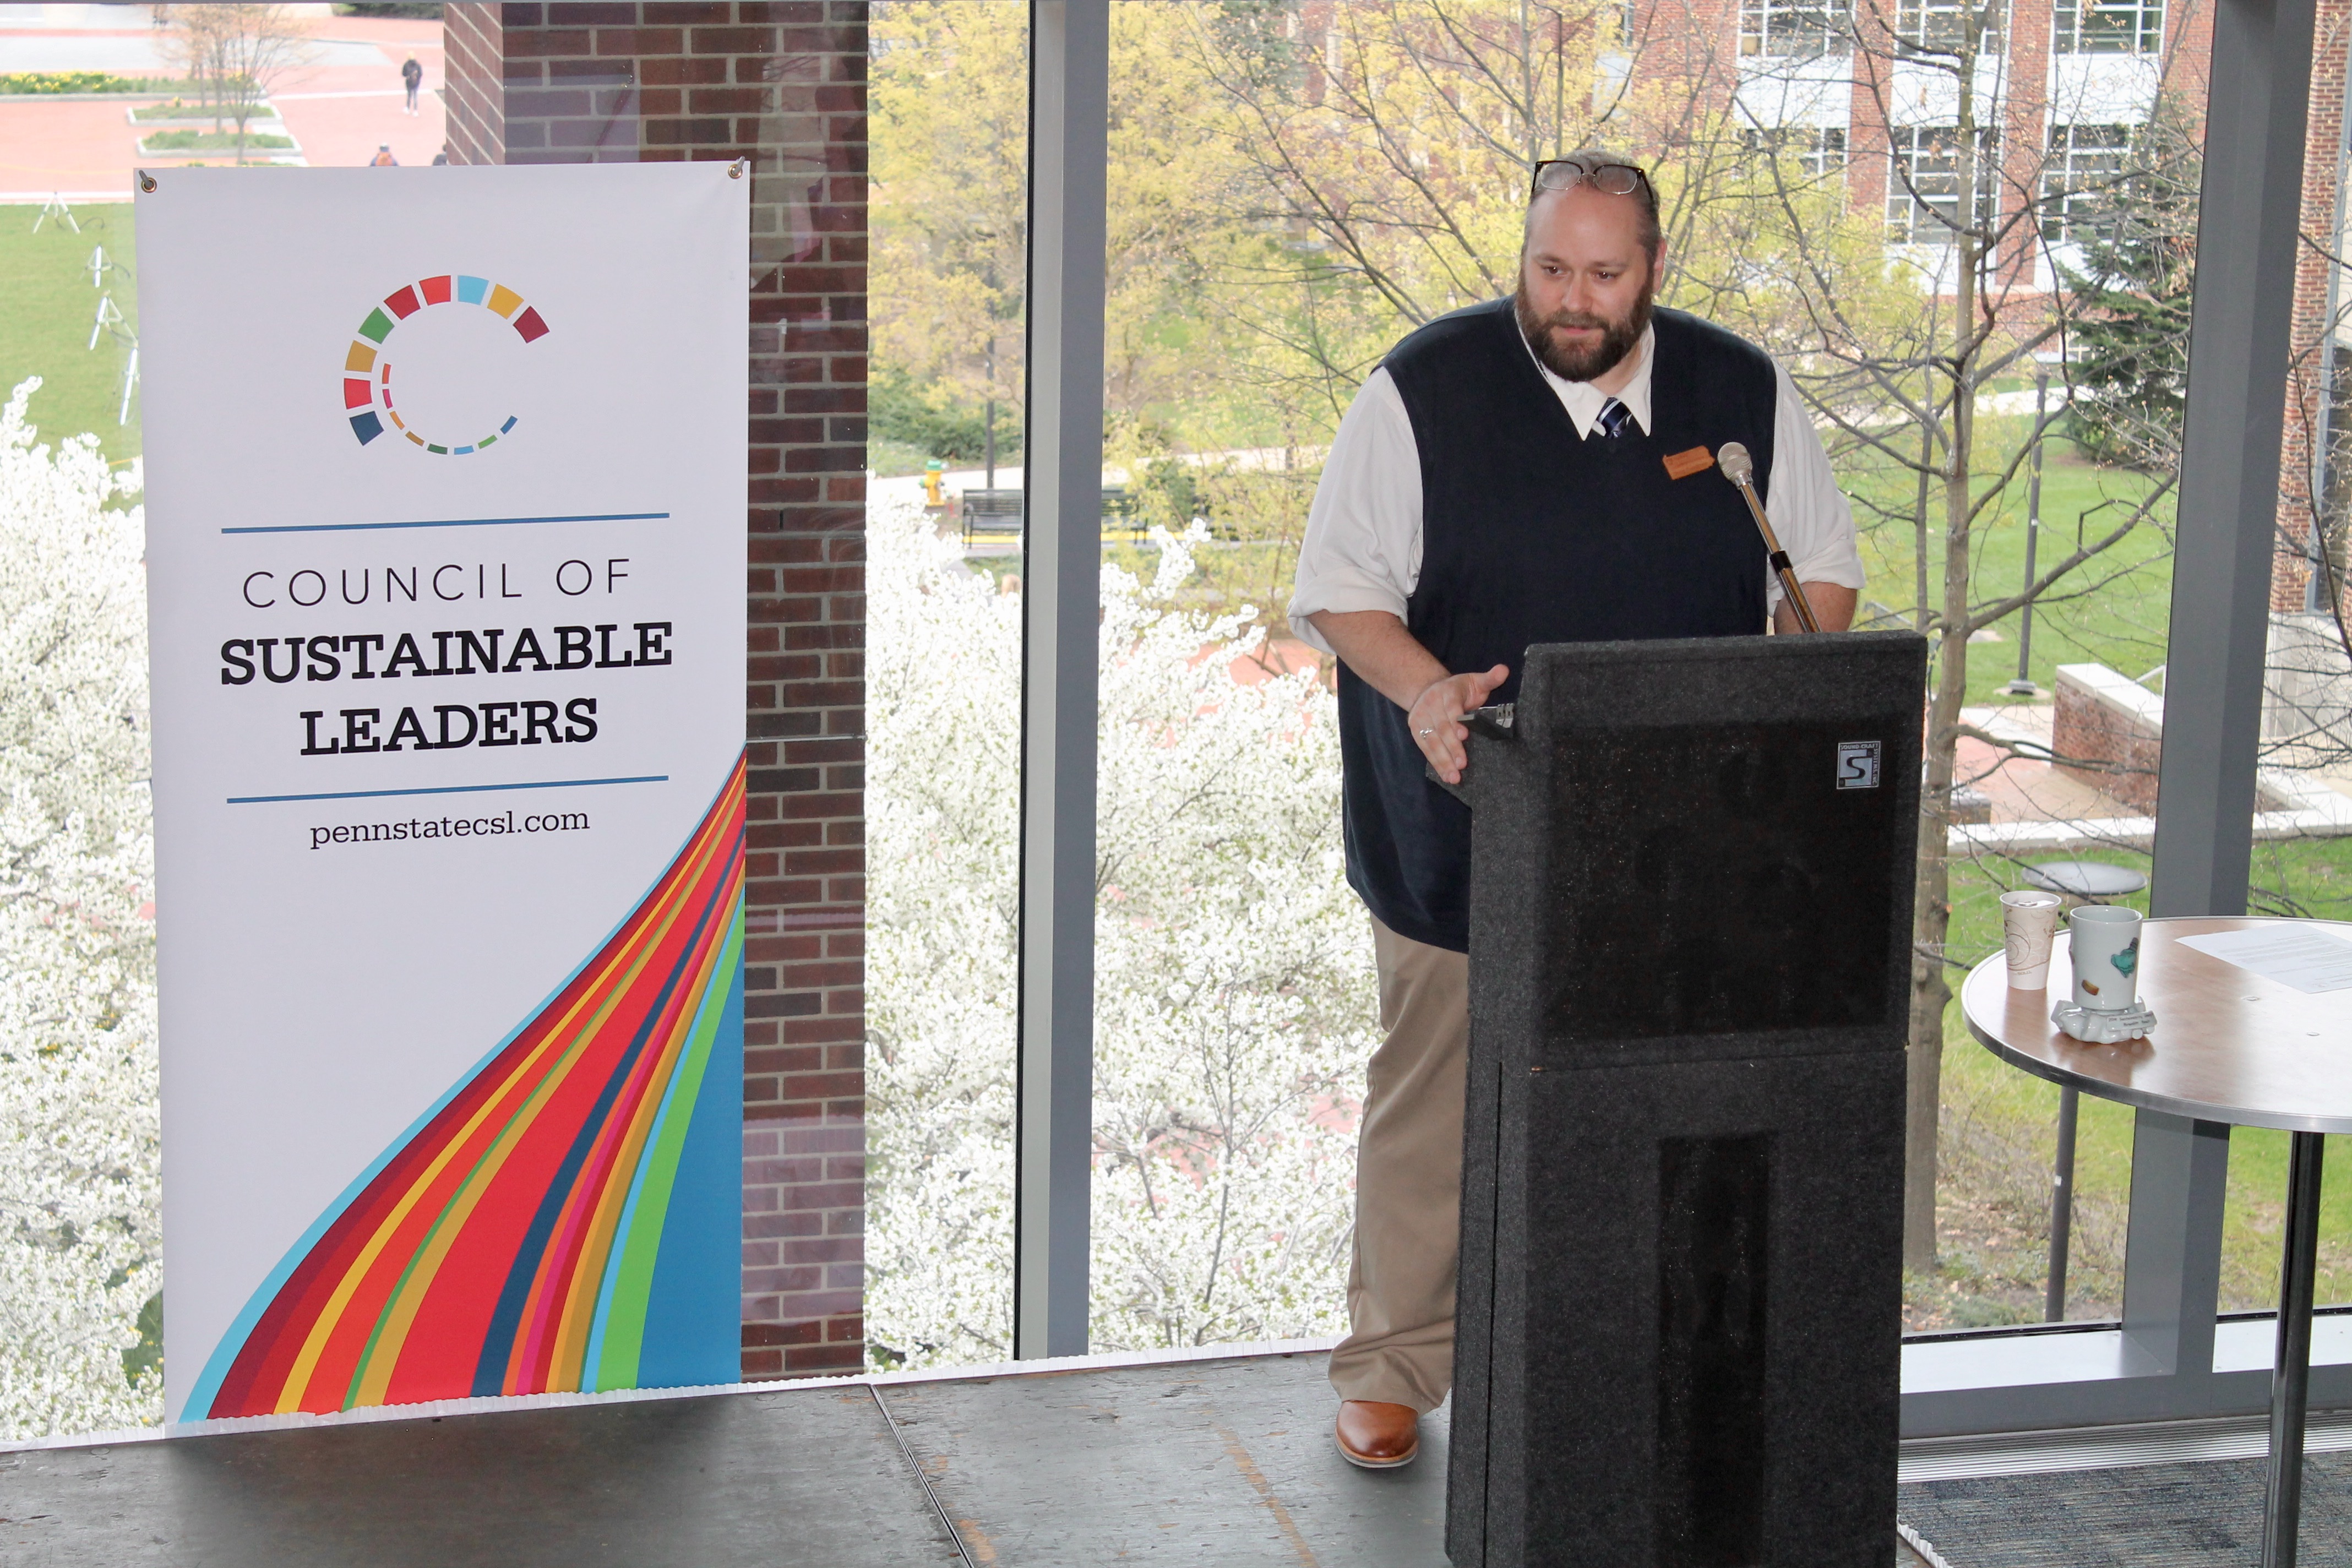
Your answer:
<point x="2029" y="925"/>
<point x="2105" y="943"/>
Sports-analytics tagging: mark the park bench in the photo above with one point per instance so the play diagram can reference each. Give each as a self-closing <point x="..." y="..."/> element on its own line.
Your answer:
<point x="996" y="515"/>
<point x="990" y="515"/>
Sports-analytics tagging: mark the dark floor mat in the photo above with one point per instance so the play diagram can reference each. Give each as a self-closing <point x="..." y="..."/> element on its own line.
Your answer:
<point x="2201" y="1515"/>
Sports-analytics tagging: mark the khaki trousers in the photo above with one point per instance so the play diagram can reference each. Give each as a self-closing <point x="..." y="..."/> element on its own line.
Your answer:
<point x="1409" y="1181"/>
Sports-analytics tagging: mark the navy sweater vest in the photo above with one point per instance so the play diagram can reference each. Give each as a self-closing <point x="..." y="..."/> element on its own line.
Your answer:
<point x="1530" y="534"/>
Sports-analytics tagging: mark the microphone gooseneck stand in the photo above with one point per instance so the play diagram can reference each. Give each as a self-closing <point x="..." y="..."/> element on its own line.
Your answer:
<point x="1740" y="470"/>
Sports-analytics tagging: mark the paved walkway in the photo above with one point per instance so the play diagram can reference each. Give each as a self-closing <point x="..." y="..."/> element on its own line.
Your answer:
<point x="339" y="106"/>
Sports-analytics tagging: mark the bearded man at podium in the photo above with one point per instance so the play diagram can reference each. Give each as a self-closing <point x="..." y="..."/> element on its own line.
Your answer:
<point x="1534" y="469"/>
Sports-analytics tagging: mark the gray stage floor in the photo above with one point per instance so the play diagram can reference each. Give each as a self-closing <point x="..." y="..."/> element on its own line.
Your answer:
<point x="1193" y="1462"/>
<point x="1203" y="1462"/>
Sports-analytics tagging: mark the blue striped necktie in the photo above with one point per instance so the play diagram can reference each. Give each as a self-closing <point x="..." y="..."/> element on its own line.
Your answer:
<point x="1612" y="418"/>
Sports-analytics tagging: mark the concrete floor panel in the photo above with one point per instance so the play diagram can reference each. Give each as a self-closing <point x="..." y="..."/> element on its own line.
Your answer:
<point x="727" y="1481"/>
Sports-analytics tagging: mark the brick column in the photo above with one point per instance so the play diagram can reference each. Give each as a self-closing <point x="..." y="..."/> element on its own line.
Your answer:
<point x="1869" y="146"/>
<point x="2024" y="115"/>
<point x="2306" y="394"/>
<point x="1690" y="50"/>
<point x="471" y="39"/>
<point x="783" y="86"/>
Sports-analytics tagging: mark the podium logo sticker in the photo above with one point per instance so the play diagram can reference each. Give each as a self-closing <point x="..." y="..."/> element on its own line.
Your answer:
<point x="369" y="389"/>
<point x="1857" y="764"/>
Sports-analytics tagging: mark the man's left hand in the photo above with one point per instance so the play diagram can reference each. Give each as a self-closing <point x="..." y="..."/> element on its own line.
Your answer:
<point x="1436" y="715"/>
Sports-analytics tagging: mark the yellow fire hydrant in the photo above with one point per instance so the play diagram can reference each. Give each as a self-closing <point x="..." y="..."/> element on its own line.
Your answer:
<point x="934" y="476"/>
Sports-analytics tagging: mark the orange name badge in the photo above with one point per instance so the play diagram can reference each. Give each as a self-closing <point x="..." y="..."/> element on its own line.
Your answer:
<point x="1682" y="465"/>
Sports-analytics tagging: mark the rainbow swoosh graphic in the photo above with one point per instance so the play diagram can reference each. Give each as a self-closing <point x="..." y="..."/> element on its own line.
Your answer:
<point x="568" y="1217"/>
<point x="367" y="367"/>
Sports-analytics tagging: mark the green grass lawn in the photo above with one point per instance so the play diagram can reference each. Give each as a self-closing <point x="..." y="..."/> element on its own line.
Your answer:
<point x="199" y="141"/>
<point x="2113" y="611"/>
<point x="46" y="305"/>
<point x="178" y="109"/>
<point x="889" y="459"/>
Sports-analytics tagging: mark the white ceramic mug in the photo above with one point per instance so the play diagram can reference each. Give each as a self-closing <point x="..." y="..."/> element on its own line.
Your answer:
<point x="2029" y="924"/>
<point x="2106" y="940"/>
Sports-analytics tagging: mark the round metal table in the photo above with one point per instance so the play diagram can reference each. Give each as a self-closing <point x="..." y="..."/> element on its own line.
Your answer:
<point x="2229" y="1046"/>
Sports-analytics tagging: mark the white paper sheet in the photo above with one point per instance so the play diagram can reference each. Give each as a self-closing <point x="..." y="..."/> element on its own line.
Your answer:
<point x="2311" y="960"/>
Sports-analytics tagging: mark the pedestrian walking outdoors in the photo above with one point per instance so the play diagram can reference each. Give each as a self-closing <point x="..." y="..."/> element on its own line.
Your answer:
<point x="412" y="75"/>
<point x="383" y="158"/>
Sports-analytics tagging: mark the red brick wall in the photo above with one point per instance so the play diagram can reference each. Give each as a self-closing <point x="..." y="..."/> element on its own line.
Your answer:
<point x="1870" y="154"/>
<point x="1691" y="49"/>
<point x="470" y="38"/>
<point x="2024" y="115"/>
<point x="2189" y="54"/>
<point x="783" y="86"/>
<point x="2291" y="569"/>
<point x="2105" y="749"/>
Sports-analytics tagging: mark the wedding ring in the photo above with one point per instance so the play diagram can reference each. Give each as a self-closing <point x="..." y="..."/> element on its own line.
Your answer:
<point x="1425" y="734"/>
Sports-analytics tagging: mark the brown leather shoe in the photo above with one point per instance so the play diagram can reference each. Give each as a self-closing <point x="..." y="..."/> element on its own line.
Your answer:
<point x="1377" y="1435"/>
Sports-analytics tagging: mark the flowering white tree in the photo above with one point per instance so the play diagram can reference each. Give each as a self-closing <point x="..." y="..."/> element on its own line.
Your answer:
<point x="1234" y="988"/>
<point x="80" y="1235"/>
<point x="943" y="725"/>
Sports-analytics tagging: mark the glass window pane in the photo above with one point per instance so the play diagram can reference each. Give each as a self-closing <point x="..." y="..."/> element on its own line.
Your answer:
<point x="1353" y="172"/>
<point x="1953" y="212"/>
<point x="943" y="676"/>
<point x="80" y="1196"/>
<point x="1346" y="181"/>
<point x="1233" y="1006"/>
<point x="2255" y="1222"/>
<point x="1812" y="153"/>
<point x="77" y="1109"/>
<point x="2302" y="866"/>
<point x="2081" y="182"/>
<point x="1774" y="29"/>
<point x="89" y="97"/>
<point x="2104" y="27"/>
<point x="1931" y="164"/>
<point x="1950" y="28"/>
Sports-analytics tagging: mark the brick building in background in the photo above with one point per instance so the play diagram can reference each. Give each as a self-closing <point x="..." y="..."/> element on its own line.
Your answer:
<point x="785" y="87"/>
<point x="2068" y="83"/>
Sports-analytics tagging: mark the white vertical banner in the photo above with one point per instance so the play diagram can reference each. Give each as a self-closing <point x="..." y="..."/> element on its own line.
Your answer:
<point x="446" y="553"/>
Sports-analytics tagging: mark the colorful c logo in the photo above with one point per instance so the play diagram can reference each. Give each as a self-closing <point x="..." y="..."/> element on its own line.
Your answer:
<point x="367" y="370"/>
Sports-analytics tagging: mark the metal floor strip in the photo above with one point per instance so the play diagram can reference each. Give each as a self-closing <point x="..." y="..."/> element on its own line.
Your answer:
<point x="2106" y="1447"/>
<point x="921" y="1479"/>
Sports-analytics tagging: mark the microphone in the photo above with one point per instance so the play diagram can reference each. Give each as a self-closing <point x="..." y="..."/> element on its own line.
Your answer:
<point x="1740" y="470"/>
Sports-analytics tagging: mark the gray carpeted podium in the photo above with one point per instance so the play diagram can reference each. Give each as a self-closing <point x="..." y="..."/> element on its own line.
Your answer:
<point x="1681" y="1286"/>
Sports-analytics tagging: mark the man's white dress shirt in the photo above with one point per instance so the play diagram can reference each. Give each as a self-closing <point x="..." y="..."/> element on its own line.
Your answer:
<point x="1362" y="549"/>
